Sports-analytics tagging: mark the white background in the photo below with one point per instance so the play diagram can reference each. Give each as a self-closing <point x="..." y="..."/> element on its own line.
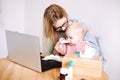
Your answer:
<point x="102" y="16"/>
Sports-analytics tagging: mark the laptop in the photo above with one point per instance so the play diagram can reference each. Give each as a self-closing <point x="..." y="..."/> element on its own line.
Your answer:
<point x="24" y="49"/>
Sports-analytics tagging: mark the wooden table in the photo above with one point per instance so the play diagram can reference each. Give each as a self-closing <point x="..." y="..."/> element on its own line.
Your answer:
<point x="12" y="71"/>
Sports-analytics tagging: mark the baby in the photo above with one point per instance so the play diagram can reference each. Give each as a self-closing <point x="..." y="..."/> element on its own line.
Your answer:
<point x="74" y="40"/>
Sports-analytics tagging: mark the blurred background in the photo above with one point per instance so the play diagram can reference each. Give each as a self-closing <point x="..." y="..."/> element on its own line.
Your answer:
<point x="101" y="16"/>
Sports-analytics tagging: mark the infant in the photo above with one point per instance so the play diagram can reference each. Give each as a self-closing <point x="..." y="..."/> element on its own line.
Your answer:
<point x="74" y="40"/>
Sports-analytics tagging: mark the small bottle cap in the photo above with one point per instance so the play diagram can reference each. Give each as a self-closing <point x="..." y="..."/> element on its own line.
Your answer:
<point x="64" y="71"/>
<point x="70" y="63"/>
<point x="77" y="52"/>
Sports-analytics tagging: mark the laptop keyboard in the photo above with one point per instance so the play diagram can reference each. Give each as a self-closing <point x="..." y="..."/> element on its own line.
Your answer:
<point x="49" y="64"/>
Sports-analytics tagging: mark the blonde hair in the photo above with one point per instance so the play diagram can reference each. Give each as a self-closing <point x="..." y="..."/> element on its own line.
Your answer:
<point x="52" y="13"/>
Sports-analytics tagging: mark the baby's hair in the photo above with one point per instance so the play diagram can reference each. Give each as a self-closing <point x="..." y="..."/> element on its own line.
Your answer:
<point x="76" y="26"/>
<point x="76" y="29"/>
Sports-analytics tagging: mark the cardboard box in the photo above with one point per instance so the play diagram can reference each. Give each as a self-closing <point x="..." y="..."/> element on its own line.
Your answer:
<point x="81" y="66"/>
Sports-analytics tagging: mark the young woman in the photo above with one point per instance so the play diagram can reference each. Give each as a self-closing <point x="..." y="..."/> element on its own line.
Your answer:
<point x="55" y="22"/>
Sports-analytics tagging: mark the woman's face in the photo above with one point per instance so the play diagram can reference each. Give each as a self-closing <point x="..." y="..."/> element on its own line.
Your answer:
<point x="61" y="24"/>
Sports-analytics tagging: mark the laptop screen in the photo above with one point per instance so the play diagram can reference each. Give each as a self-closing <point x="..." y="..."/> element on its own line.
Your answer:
<point x="24" y="49"/>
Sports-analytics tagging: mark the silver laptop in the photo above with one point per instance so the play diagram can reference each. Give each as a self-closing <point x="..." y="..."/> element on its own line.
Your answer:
<point x="24" y="49"/>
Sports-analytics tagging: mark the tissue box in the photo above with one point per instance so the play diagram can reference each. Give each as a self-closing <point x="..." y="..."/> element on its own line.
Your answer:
<point x="83" y="66"/>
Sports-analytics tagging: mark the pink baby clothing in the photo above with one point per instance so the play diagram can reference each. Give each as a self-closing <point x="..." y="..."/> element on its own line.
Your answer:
<point x="70" y="49"/>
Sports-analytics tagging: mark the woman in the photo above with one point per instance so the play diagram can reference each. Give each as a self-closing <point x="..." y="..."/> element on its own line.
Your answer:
<point x="55" y="22"/>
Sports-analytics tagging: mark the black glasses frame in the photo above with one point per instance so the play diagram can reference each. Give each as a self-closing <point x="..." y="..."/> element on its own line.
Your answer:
<point x="60" y="27"/>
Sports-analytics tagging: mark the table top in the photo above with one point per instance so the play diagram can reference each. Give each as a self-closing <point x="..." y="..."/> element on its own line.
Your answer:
<point x="13" y="71"/>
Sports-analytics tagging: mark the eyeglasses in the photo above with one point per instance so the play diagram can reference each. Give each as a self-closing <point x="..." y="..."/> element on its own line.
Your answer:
<point x="60" y="28"/>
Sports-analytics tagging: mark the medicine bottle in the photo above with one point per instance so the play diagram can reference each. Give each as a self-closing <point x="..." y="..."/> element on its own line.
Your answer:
<point x="70" y="70"/>
<point x="63" y="73"/>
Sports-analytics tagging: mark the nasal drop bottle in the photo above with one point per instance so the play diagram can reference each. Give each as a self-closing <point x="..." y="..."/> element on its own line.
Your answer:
<point x="70" y="70"/>
<point x="63" y="73"/>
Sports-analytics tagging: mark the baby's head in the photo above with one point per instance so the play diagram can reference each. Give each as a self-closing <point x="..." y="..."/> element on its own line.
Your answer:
<point x="75" y="32"/>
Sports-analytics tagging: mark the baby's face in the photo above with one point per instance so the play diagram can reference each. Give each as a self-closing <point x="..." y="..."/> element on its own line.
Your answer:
<point x="72" y="38"/>
<point x="73" y="34"/>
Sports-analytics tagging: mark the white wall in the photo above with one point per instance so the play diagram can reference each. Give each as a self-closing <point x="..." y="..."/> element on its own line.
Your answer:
<point x="0" y="13"/>
<point x="11" y="18"/>
<point x="12" y="14"/>
<point x="32" y="17"/>
<point x="102" y="16"/>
